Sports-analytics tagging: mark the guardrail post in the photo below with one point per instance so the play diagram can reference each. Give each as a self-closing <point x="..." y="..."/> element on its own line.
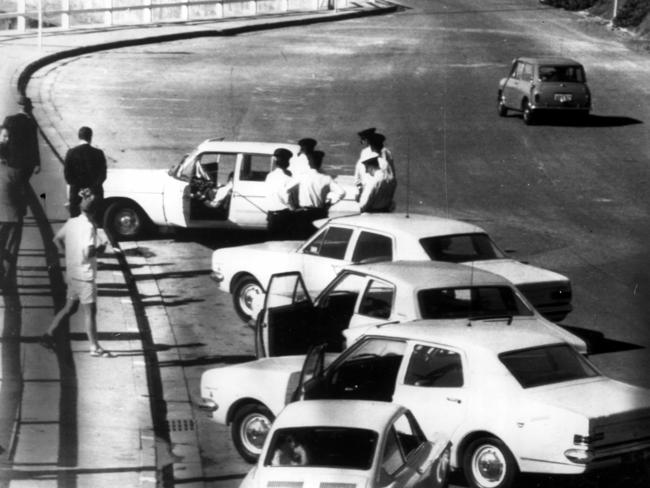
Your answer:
<point x="219" y="10"/>
<point x="65" y="15"/>
<point x="185" y="10"/>
<point x="146" y="13"/>
<point x="108" y="14"/>
<point x="254" y="7"/>
<point x="284" y="5"/>
<point x="21" y="21"/>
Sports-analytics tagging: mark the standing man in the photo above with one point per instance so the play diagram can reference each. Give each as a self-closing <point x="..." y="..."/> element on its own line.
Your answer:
<point x="300" y="164"/>
<point x="366" y="153"/>
<point x="279" y="186"/>
<point x="385" y="157"/>
<point x="23" y="141"/>
<point x="317" y="192"/>
<point x="12" y="209"/>
<point x="78" y="240"/>
<point x="84" y="167"/>
<point x="377" y="193"/>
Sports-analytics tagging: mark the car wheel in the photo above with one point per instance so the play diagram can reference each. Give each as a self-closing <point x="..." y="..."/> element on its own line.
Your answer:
<point x="250" y="426"/>
<point x="501" y="107"/>
<point x="245" y="292"/>
<point x="124" y="220"/>
<point x="528" y="114"/>
<point x="488" y="463"/>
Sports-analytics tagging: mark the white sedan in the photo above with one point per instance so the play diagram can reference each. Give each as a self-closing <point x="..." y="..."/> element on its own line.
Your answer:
<point x="365" y="295"/>
<point x="352" y="444"/>
<point x="135" y="198"/>
<point x="243" y="270"/>
<point x="512" y="399"/>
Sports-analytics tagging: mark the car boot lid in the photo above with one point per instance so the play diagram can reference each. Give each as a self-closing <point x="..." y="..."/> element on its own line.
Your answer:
<point x="517" y="272"/>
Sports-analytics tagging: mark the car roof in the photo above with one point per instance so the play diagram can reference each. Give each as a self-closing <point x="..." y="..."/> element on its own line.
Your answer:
<point x="246" y="146"/>
<point x="361" y="414"/>
<point x="488" y="335"/>
<point x="415" y="225"/>
<point x="419" y="274"/>
<point x="551" y="60"/>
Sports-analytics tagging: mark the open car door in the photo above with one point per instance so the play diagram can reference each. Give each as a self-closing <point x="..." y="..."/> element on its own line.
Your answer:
<point x="288" y="324"/>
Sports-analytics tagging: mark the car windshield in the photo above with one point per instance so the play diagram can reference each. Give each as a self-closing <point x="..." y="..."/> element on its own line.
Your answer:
<point x="547" y="365"/>
<point x="567" y="74"/>
<point x="331" y="447"/>
<point x="460" y="248"/>
<point x="479" y="302"/>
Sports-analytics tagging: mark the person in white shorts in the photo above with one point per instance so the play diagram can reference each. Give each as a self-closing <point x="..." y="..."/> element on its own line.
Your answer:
<point x="78" y="240"/>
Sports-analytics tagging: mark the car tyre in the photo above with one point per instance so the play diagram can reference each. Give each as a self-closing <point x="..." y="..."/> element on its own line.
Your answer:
<point x="501" y="107"/>
<point x="243" y="296"/>
<point x="124" y="220"/>
<point x="250" y="426"/>
<point x="488" y="463"/>
<point x="528" y="114"/>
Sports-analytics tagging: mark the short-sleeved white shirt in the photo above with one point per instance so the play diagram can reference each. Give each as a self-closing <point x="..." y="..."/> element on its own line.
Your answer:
<point x="78" y="233"/>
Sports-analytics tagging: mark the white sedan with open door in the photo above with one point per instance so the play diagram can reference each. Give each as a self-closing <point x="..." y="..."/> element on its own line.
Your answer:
<point x="350" y="444"/>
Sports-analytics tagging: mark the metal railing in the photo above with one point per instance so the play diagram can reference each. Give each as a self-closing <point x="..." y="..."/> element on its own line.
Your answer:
<point x="61" y="14"/>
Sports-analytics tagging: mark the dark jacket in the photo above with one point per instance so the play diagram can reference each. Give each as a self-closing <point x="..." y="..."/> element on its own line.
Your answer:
<point x="85" y="167"/>
<point x="23" y="143"/>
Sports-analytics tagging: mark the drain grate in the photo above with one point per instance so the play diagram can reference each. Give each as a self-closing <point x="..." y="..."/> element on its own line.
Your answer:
<point x="181" y="425"/>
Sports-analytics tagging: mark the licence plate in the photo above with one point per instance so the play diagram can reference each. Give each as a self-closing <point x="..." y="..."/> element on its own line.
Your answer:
<point x="563" y="97"/>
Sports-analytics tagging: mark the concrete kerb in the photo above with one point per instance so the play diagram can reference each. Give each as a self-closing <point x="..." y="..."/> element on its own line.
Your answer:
<point x="157" y="403"/>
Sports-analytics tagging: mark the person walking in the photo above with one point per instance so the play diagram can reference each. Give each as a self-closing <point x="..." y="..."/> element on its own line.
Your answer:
<point x="300" y="163"/>
<point x="280" y="216"/>
<point x="79" y="241"/>
<point x="317" y="192"/>
<point x="377" y="193"/>
<point x="23" y="152"/>
<point x="12" y="209"/>
<point x="84" y="167"/>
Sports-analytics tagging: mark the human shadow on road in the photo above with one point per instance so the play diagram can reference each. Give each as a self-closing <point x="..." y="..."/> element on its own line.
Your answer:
<point x="597" y="343"/>
<point x="172" y="275"/>
<point x="171" y="303"/>
<point x="207" y="360"/>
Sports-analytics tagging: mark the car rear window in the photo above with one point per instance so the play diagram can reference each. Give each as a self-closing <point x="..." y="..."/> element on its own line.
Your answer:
<point x="547" y="365"/>
<point x="331" y="447"/>
<point x="475" y="302"/>
<point x="460" y="248"/>
<point x="570" y="74"/>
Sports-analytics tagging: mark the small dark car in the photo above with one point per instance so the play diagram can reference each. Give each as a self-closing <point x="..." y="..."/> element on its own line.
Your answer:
<point x="537" y="85"/>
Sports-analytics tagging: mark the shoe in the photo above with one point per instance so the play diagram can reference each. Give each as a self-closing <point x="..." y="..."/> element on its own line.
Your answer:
<point x="101" y="353"/>
<point x="47" y="341"/>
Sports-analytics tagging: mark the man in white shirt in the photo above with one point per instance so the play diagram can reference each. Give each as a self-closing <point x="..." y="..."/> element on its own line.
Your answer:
<point x="366" y="153"/>
<point x="279" y="207"/>
<point x="378" y="189"/>
<point x="300" y="163"/>
<point x="317" y="192"/>
<point x="78" y="240"/>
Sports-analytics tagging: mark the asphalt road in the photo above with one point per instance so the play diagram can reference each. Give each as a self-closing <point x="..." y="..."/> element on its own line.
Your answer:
<point x="568" y="197"/>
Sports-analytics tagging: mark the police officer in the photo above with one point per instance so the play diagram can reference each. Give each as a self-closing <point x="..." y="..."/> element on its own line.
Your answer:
<point x="280" y="217"/>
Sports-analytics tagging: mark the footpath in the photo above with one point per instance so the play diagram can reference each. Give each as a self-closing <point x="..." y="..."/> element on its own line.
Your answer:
<point x="68" y="419"/>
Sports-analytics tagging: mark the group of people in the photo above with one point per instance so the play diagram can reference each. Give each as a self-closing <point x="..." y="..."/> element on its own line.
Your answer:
<point x="298" y="192"/>
<point x="84" y="169"/>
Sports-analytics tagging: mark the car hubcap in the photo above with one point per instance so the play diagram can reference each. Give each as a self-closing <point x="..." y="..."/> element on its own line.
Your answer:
<point x="127" y="222"/>
<point x="254" y="430"/>
<point x="489" y="466"/>
<point x="249" y="294"/>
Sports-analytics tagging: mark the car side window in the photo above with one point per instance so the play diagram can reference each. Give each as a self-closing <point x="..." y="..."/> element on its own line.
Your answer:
<point x="434" y="367"/>
<point x="519" y="70"/>
<point x="331" y="243"/>
<point x="255" y="167"/>
<point x="371" y="246"/>
<point x="378" y="300"/>
<point x="527" y="72"/>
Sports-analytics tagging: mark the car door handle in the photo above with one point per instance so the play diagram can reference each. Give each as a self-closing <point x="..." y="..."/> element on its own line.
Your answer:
<point x="455" y="400"/>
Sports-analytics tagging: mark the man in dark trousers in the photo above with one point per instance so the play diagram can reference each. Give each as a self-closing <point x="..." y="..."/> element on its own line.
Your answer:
<point x="84" y="167"/>
<point x="23" y="141"/>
